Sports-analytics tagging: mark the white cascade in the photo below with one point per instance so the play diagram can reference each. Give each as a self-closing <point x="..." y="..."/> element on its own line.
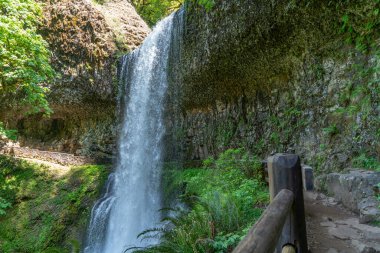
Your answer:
<point x="133" y="198"/>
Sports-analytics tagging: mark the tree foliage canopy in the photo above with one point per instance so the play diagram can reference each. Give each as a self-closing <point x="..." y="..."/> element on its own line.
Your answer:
<point x="24" y="57"/>
<point x="154" y="10"/>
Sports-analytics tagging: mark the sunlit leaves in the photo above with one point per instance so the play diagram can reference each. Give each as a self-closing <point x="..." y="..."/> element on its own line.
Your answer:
<point x="24" y="57"/>
<point x="207" y="4"/>
<point x="154" y="10"/>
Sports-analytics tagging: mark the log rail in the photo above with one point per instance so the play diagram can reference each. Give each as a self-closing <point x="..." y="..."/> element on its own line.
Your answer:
<point x="282" y="226"/>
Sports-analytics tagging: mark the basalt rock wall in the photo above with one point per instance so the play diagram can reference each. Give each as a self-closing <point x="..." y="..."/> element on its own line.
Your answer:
<point x="272" y="76"/>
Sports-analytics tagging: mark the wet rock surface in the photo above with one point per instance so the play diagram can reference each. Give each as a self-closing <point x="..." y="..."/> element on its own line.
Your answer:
<point x="298" y="116"/>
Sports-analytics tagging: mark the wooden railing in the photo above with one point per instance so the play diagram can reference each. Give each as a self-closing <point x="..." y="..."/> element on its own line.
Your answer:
<point x="282" y="226"/>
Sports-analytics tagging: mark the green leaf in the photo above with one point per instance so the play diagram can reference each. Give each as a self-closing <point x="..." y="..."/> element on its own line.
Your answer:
<point x="24" y="56"/>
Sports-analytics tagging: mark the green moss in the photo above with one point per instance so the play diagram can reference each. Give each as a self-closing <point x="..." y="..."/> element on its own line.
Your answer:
<point x="224" y="134"/>
<point x="48" y="212"/>
<point x="318" y="163"/>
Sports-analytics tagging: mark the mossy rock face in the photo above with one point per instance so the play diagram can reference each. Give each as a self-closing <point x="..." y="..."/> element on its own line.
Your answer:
<point x="308" y="117"/>
<point x="242" y="48"/>
<point x="47" y="213"/>
<point x="239" y="47"/>
<point x="86" y="39"/>
<point x="277" y="76"/>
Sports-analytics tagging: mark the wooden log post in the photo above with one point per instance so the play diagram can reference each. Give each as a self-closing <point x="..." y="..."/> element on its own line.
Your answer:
<point x="285" y="173"/>
<point x="307" y="178"/>
<point x="288" y="249"/>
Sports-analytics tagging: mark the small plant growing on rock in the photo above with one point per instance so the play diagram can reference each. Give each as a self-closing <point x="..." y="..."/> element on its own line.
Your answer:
<point x="331" y="130"/>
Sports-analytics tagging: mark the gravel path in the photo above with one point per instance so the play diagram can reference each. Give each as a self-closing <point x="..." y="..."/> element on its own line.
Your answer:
<point x="58" y="163"/>
<point x="333" y="229"/>
<point x="64" y="159"/>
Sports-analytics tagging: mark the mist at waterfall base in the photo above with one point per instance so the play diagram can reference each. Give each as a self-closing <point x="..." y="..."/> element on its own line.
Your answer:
<point x="132" y="200"/>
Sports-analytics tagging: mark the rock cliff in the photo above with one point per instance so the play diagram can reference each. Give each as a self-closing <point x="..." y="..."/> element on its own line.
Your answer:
<point x="271" y="76"/>
<point x="86" y="39"/>
<point x="274" y="76"/>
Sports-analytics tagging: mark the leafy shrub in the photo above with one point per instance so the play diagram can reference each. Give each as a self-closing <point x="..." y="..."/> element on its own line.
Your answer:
<point x="224" y="202"/>
<point x="24" y="63"/>
<point x="154" y="10"/>
<point x="4" y="205"/>
<point x="208" y="162"/>
<point x="10" y="134"/>
<point x="363" y="161"/>
<point x="240" y="159"/>
<point x="225" y="243"/>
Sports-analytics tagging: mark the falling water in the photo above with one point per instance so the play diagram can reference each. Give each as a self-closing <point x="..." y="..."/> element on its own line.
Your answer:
<point x="132" y="200"/>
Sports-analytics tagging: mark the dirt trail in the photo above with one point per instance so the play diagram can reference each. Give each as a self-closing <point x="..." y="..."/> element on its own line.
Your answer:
<point x="58" y="169"/>
<point x="57" y="162"/>
<point x="64" y="159"/>
<point x="333" y="229"/>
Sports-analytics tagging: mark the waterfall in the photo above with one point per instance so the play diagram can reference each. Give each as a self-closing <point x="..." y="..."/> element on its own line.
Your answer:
<point x="133" y="198"/>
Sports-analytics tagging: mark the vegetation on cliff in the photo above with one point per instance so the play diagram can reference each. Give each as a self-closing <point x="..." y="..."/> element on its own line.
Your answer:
<point x="361" y="24"/>
<point x="316" y="92"/>
<point x="43" y="212"/>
